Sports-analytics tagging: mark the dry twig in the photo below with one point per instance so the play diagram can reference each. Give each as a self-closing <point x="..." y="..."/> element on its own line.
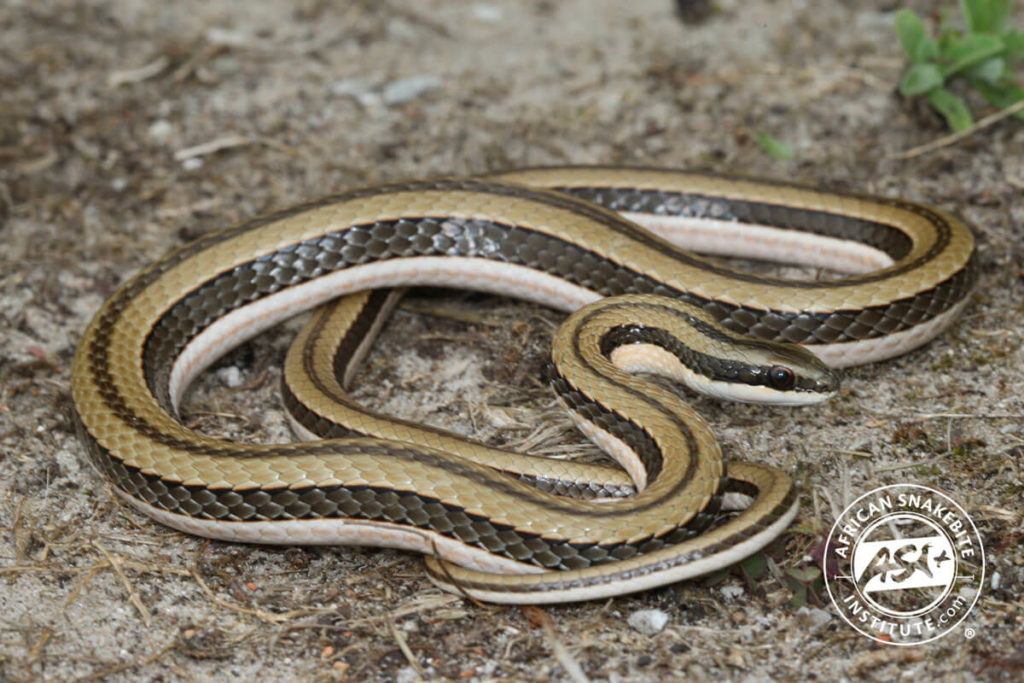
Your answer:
<point x="953" y="138"/>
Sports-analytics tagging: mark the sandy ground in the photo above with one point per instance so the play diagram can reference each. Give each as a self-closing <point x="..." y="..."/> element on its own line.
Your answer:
<point x="129" y="127"/>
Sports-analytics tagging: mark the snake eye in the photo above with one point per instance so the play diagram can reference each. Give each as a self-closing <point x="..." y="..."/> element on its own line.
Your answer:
<point x="781" y="377"/>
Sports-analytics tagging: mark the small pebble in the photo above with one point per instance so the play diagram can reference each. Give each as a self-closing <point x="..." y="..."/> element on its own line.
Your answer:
<point x="226" y="37"/>
<point x="230" y="376"/>
<point x="732" y="592"/>
<point x="408" y="89"/>
<point x="648" y="621"/>
<point x="407" y="674"/>
<point x="358" y="89"/>
<point x="160" y="129"/>
<point x="487" y="13"/>
<point x="812" y="618"/>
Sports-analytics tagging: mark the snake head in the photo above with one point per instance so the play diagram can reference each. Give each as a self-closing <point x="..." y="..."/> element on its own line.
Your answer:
<point x="783" y="374"/>
<point x="680" y="341"/>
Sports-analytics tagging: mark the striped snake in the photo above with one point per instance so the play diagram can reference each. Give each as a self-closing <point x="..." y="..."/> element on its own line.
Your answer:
<point x="495" y="525"/>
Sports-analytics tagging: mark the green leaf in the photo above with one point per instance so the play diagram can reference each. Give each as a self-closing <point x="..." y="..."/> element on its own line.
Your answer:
<point x="802" y="581"/>
<point x="947" y="39"/>
<point x="718" y="577"/>
<point x="776" y="149"/>
<point x="805" y="574"/>
<point x="920" y="79"/>
<point x="1001" y="96"/>
<point x="971" y="50"/>
<point x="985" y="16"/>
<point x="972" y="12"/>
<point x="913" y="36"/>
<point x="999" y="14"/>
<point x="799" y="598"/>
<point x="952" y="108"/>
<point x="945" y="19"/>
<point x="990" y="71"/>
<point x="1014" y="41"/>
<point x="754" y="567"/>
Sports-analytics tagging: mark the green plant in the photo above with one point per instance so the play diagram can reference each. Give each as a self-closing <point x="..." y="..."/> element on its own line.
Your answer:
<point x="807" y="584"/>
<point x="984" y="56"/>
<point x="773" y="147"/>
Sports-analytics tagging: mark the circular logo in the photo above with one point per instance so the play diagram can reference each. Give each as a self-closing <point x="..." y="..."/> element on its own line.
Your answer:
<point x="904" y="564"/>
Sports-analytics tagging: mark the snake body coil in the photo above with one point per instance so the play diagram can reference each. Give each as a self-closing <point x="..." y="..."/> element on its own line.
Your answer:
<point x="385" y="482"/>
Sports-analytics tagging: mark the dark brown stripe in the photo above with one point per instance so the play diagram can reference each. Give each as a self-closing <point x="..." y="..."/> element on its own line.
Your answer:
<point x="784" y="217"/>
<point x="329" y="429"/>
<point x="554" y="583"/>
<point x="349" y="344"/>
<point x="639" y="439"/>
